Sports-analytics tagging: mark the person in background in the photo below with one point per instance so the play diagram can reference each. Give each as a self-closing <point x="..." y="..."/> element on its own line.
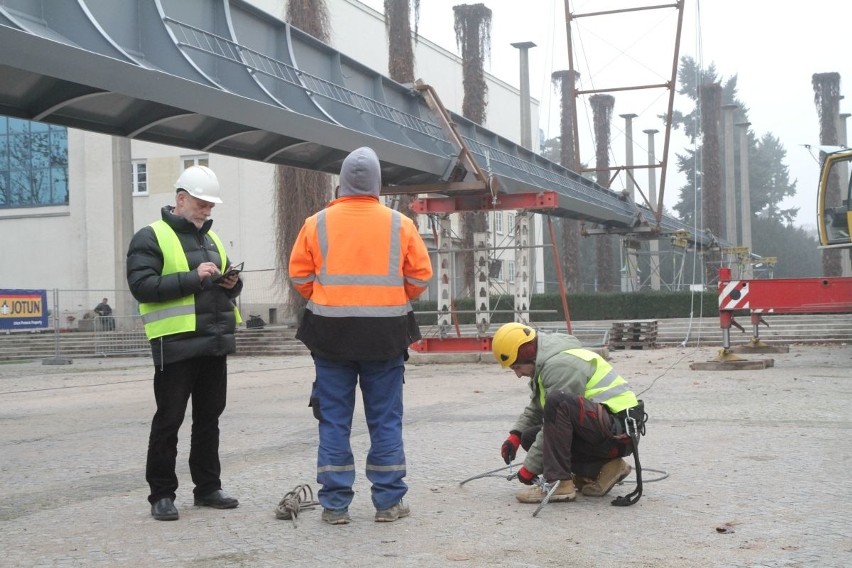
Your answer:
<point x="359" y="263"/>
<point x="105" y="320"/>
<point x="573" y="427"/>
<point x="175" y="269"/>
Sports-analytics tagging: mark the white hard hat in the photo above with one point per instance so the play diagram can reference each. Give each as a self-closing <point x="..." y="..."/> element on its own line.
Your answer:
<point x="200" y="182"/>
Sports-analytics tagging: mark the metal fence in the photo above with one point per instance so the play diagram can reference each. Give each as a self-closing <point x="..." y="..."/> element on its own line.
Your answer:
<point x="78" y="329"/>
<point x="74" y="310"/>
<point x="120" y="335"/>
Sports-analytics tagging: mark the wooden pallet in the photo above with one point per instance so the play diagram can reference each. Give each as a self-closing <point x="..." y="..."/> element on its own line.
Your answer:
<point x="633" y="334"/>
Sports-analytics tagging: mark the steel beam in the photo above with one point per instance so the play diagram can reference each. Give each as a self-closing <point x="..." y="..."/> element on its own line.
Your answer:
<point x="543" y="201"/>
<point x="452" y="344"/>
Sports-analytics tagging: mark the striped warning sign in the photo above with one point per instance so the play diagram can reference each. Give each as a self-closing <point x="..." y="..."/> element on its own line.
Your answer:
<point x="734" y="295"/>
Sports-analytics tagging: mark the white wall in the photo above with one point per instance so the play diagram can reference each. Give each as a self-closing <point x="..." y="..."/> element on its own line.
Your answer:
<point x="73" y="247"/>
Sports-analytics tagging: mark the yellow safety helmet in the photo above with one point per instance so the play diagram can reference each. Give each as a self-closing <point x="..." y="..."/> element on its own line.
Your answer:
<point x="508" y="340"/>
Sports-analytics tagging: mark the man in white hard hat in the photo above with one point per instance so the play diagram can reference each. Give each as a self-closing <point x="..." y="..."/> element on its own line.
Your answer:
<point x="178" y="270"/>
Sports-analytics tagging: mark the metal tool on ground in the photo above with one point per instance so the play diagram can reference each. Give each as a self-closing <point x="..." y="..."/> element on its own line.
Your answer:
<point x="493" y="473"/>
<point x="295" y="501"/>
<point x="548" y="489"/>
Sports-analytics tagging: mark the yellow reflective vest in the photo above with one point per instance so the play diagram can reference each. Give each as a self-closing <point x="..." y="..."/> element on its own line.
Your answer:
<point x="175" y="316"/>
<point x="605" y="386"/>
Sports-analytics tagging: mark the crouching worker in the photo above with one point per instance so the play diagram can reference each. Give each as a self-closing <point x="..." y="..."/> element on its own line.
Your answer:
<point x="573" y="427"/>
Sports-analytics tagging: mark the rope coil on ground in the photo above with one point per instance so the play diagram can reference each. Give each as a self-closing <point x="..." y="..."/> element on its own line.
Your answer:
<point x="295" y="501"/>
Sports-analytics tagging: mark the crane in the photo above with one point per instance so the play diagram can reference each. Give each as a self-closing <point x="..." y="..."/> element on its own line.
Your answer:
<point x="824" y="295"/>
<point x="835" y="222"/>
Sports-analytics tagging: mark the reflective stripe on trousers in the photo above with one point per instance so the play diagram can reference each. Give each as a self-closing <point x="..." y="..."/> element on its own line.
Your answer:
<point x="333" y="399"/>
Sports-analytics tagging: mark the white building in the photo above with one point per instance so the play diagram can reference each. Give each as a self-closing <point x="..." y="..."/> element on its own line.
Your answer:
<point x="79" y="244"/>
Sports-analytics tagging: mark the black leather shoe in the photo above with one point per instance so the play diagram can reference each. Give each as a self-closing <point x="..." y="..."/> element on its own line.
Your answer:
<point x="164" y="510"/>
<point x="218" y="500"/>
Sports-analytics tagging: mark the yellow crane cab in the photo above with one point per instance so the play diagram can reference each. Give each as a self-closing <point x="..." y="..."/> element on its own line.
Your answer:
<point x="835" y="222"/>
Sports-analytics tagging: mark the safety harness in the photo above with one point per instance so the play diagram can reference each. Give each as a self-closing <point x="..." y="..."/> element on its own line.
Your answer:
<point x="634" y="419"/>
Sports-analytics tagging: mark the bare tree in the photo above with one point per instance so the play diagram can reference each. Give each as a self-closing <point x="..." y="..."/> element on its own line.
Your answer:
<point x="401" y="60"/>
<point x="827" y="99"/>
<point x="473" y="36"/>
<point x="570" y="228"/>
<point x="602" y="106"/>
<point x="710" y="181"/>
<point x="299" y="193"/>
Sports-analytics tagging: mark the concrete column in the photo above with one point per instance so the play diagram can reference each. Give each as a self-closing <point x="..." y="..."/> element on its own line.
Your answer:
<point x="526" y="142"/>
<point x="632" y="285"/>
<point x="745" y="197"/>
<point x="845" y="257"/>
<point x="526" y="120"/>
<point x="122" y="191"/>
<point x="652" y="197"/>
<point x="730" y="180"/>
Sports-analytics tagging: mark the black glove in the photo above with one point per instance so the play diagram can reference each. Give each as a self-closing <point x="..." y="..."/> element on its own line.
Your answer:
<point x="509" y="449"/>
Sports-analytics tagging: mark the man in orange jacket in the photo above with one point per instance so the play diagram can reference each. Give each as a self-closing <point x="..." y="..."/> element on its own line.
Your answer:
<point x="359" y="263"/>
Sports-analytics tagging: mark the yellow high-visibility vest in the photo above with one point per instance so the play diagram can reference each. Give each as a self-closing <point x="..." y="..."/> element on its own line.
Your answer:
<point x="605" y="386"/>
<point x="175" y="316"/>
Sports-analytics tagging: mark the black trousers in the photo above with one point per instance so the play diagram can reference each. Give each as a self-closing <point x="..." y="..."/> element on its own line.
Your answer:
<point x="580" y="436"/>
<point x="205" y="380"/>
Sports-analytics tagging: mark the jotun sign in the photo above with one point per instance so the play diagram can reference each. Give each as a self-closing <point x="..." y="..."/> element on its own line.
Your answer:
<point x="23" y="309"/>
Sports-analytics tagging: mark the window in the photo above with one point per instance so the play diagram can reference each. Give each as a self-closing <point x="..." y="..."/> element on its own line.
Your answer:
<point x="510" y="268"/>
<point x="498" y="222"/>
<point x="33" y="163"/>
<point x="189" y="161"/>
<point x="510" y="221"/>
<point x="140" y="177"/>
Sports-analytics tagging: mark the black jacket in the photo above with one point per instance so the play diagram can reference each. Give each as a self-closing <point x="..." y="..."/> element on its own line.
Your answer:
<point x="214" y="305"/>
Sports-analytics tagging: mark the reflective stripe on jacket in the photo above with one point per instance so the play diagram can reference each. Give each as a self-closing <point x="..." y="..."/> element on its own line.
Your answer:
<point x="359" y="263"/>
<point x="365" y="276"/>
<point x="605" y="386"/>
<point x="174" y="316"/>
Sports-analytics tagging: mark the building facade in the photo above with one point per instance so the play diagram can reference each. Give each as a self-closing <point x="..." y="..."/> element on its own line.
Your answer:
<point x="70" y="199"/>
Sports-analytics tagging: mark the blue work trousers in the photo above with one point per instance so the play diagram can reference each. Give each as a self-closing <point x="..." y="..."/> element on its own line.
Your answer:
<point x="333" y="402"/>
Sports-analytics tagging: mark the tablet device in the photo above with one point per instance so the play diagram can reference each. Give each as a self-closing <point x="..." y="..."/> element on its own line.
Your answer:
<point x="234" y="269"/>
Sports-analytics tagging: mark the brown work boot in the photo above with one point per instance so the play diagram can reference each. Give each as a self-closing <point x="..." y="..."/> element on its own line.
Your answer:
<point x="535" y="494"/>
<point x="391" y="514"/>
<point x="611" y="473"/>
<point x="336" y="516"/>
<point x="581" y="481"/>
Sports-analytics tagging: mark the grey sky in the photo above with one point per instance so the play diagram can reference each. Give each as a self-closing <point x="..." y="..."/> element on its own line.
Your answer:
<point x="774" y="51"/>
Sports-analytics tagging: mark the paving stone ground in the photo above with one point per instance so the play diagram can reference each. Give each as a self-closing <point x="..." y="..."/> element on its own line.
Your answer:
<point x="743" y="468"/>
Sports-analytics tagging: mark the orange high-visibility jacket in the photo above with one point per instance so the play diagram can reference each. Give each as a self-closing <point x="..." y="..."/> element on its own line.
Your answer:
<point x="359" y="263"/>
